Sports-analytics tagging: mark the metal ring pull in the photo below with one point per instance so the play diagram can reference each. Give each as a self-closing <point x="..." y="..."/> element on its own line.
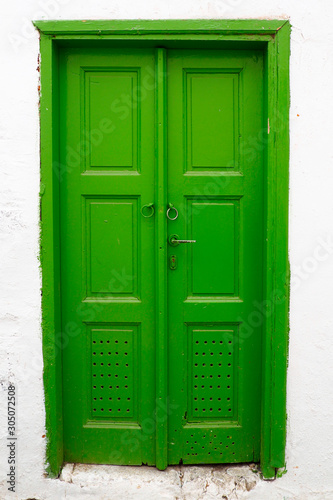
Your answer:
<point x="171" y="207"/>
<point x="150" y="208"/>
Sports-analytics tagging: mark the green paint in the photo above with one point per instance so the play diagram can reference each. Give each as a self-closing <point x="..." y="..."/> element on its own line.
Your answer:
<point x="215" y="180"/>
<point x="159" y="27"/>
<point x="50" y="258"/>
<point x="281" y="472"/>
<point x="161" y="263"/>
<point x="107" y="255"/>
<point x="90" y="197"/>
<point x="276" y="252"/>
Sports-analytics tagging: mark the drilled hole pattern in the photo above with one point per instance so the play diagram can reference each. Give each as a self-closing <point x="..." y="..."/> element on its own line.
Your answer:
<point x="112" y="374"/>
<point x="212" y="374"/>
<point x="210" y="445"/>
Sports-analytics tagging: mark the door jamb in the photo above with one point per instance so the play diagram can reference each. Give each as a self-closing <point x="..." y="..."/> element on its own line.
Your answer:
<point x="274" y="38"/>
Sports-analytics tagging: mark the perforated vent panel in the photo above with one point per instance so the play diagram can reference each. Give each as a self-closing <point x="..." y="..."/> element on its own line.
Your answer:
<point x="212" y="379"/>
<point x="209" y="443"/>
<point x="112" y="374"/>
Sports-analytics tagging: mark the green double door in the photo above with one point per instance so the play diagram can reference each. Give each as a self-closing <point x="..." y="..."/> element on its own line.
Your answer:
<point x="194" y="397"/>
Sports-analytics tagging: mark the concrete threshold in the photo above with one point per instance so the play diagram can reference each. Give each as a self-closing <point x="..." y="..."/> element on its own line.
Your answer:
<point x="183" y="482"/>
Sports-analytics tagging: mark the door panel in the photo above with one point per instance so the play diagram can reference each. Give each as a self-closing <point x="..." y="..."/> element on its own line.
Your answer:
<point x="111" y="243"/>
<point x="117" y="149"/>
<point x="107" y="253"/>
<point x="211" y="107"/>
<point x="216" y="183"/>
<point x="213" y="222"/>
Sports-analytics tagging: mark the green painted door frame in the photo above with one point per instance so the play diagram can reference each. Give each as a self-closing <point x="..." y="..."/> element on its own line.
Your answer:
<point x="273" y="39"/>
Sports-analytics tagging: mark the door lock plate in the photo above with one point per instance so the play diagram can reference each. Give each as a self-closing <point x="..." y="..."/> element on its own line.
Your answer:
<point x="173" y="262"/>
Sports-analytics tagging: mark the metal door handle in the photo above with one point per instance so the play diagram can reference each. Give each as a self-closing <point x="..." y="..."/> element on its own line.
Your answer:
<point x="184" y="241"/>
<point x="174" y="240"/>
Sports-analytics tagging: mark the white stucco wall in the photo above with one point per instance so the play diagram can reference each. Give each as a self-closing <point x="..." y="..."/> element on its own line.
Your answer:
<point x="310" y="375"/>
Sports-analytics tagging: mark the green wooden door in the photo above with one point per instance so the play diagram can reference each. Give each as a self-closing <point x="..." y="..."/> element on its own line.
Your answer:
<point x="107" y="167"/>
<point x="108" y="240"/>
<point x="215" y="181"/>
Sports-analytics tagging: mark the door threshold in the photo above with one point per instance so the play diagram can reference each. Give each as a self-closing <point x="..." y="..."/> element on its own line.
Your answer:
<point x="191" y="481"/>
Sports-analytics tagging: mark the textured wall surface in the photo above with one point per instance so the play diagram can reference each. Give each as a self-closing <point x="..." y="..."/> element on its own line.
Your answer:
<point x="310" y="374"/>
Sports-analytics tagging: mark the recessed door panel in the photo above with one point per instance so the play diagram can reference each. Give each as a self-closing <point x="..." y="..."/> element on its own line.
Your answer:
<point x="214" y="224"/>
<point x="212" y="374"/>
<point x="114" y="372"/>
<point x="211" y="126"/>
<point x="111" y="108"/>
<point x="111" y="246"/>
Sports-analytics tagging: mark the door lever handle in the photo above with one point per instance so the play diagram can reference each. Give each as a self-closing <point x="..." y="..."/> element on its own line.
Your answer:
<point x="183" y="241"/>
<point x="174" y="240"/>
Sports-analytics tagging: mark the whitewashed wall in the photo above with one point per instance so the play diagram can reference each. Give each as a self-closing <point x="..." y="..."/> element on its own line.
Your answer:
<point x="310" y="374"/>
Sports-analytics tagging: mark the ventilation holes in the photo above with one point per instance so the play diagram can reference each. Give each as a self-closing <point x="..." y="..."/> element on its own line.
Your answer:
<point x="214" y="397"/>
<point x="216" y="446"/>
<point x="112" y="401"/>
